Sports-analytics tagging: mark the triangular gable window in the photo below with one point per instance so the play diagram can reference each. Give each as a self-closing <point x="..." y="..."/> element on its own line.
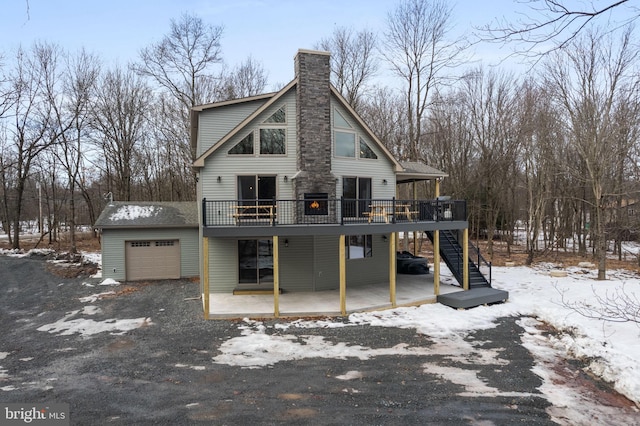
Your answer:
<point x="277" y="117"/>
<point x="339" y="121"/>
<point x="366" y="151"/>
<point x="245" y="146"/>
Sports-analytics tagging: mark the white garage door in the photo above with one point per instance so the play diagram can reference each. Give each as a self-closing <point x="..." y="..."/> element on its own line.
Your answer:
<point x="152" y="259"/>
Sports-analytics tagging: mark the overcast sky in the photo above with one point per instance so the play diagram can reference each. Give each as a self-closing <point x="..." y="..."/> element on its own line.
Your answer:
<point x="270" y="31"/>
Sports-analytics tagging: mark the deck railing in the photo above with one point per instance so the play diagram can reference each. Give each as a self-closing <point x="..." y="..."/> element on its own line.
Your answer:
<point x="343" y="211"/>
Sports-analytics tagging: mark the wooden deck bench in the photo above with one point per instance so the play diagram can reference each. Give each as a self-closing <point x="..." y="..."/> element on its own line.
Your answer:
<point x="378" y="211"/>
<point x="261" y="212"/>
<point x="405" y="210"/>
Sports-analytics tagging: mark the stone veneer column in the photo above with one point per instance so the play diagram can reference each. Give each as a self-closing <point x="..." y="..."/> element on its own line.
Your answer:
<point x="313" y="120"/>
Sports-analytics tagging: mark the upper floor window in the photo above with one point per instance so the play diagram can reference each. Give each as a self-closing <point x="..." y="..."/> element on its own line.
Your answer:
<point x="339" y="121"/>
<point x="245" y="146"/>
<point x="366" y="151"/>
<point x="272" y="137"/>
<point x="277" y="117"/>
<point x="345" y="137"/>
<point x="345" y="144"/>
<point x="272" y="141"/>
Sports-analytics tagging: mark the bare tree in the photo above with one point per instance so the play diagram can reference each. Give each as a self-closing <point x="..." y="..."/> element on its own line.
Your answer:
<point x="7" y="181"/>
<point x="7" y="94"/>
<point x="166" y="167"/>
<point x="417" y="47"/>
<point x="590" y="81"/>
<point x="353" y="62"/>
<point x="120" y="112"/>
<point x="619" y="305"/>
<point x="491" y="104"/>
<point x="183" y="58"/>
<point x="247" y="79"/>
<point x="540" y="138"/>
<point x="81" y="76"/>
<point x="34" y="128"/>
<point x="384" y="112"/>
<point x="182" y="64"/>
<point x="452" y="149"/>
<point x="553" y="24"/>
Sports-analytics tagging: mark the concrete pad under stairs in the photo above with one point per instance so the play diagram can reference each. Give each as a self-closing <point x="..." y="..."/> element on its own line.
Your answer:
<point x="474" y="297"/>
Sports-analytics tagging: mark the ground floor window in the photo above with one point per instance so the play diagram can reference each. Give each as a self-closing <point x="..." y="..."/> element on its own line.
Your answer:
<point x="255" y="262"/>
<point x="358" y="246"/>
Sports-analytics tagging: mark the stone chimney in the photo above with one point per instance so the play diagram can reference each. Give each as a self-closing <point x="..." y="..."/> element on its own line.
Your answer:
<point x="313" y="119"/>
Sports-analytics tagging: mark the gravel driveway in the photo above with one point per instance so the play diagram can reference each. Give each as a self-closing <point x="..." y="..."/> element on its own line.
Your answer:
<point x="142" y="354"/>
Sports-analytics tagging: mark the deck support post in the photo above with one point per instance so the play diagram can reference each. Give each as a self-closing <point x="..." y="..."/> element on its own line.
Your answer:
<point x="392" y="269"/>
<point x="436" y="262"/>
<point x="343" y="276"/>
<point x="436" y="248"/>
<point x="276" y="277"/>
<point x="205" y="276"/>
<point x="465" y="259"/>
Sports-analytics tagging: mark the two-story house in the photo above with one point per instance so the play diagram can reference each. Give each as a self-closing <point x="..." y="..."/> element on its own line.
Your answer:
<point x="297" y="196"/>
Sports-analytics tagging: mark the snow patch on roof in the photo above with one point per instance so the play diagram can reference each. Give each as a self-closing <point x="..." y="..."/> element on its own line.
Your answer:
<point x="131" y="212"/>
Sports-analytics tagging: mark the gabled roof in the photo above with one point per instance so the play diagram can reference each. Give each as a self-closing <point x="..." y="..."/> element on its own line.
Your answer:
<point x="416" y="171"/>
<point x="233" y="101"/>
<point x="366" y="128"/>
<point x="148" y="214"/>
<point x="274" y="97"/>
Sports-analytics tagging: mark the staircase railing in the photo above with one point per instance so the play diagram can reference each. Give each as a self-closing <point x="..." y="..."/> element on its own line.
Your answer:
<point x="474" y="251"/>
<point x="456" y="264"/>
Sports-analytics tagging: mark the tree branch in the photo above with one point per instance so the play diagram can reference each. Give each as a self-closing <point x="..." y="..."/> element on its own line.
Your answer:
<point x="550" y="21"/>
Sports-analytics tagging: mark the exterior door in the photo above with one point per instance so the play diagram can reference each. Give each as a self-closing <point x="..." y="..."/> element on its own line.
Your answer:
<point x="255" y="262"/>
<point x="254" y="188"/>
<point x="357" y="194"/>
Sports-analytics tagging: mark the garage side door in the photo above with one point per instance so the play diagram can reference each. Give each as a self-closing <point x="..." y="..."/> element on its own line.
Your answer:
<point x="152" y="259"/>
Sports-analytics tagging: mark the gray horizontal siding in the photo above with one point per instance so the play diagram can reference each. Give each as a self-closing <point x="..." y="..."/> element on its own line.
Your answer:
<point x="113" y="249"/>
<point x="327" y="267"/>
<point x="307" y="264"/>
<point x="296" y="263"/>
<point x="378" y="170"/>
<point x="215" y="123"/>
<point x="228" y="167"/>
<point x="223" y="265"/>
<point x="370" y="270"/>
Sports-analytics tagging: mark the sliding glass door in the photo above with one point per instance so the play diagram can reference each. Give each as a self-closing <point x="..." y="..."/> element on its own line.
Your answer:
<point x="357" y="195"/>
<point x="255" y="262"/>
<point x="253" y="188"/>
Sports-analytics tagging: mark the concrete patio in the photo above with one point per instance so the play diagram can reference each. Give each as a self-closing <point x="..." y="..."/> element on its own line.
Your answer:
<point x="411" y="290"/>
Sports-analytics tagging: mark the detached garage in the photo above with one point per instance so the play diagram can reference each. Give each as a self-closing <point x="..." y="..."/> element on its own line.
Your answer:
<point x="149" y="240"/>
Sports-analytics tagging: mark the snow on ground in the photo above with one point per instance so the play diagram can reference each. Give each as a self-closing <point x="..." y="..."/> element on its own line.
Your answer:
<point x="87" y="327"/>
<point x="611" y="348"/>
